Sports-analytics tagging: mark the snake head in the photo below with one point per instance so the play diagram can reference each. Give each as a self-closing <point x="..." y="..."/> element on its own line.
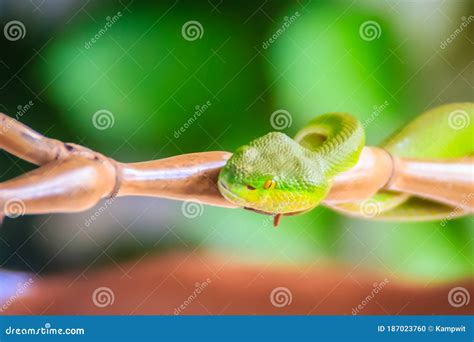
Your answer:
<point x="273" y="174"/>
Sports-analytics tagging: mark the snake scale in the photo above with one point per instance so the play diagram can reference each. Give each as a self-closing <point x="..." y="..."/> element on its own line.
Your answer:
<point x="277" y="175"/>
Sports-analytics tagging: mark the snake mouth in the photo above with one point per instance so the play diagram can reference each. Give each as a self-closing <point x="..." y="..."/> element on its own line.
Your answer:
<point x="222" y="185"/>
<point x="225" y="190"/>
<point x="229" y="194"/>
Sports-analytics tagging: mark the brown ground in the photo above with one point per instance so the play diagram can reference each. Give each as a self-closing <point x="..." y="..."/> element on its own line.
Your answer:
<point x="159" y="285"/>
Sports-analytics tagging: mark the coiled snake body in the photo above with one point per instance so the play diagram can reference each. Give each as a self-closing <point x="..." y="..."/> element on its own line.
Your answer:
<point x="277" y="175"/>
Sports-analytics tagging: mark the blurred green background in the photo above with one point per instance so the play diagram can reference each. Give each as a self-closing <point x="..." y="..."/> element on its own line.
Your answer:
<point x="249" y="59"/>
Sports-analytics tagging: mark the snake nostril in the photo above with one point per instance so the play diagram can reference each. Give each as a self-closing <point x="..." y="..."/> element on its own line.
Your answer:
<point x="251" y="187"/>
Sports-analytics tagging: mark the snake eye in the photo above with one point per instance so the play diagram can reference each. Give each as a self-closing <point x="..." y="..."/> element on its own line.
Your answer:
<point x="250" y="187"/>
<point x="269" y="184"/>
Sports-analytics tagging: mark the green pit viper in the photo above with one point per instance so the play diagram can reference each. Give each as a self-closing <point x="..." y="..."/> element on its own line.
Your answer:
<point x="277" y="175"/>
